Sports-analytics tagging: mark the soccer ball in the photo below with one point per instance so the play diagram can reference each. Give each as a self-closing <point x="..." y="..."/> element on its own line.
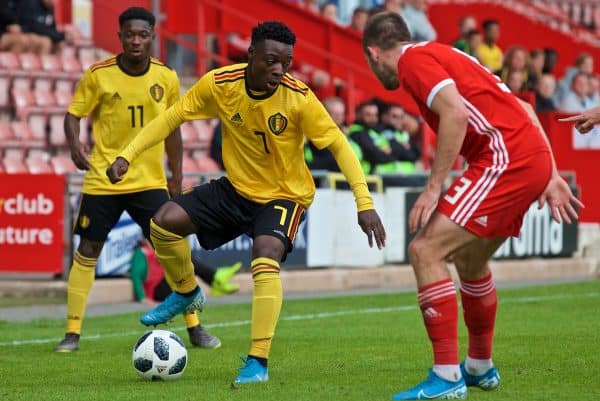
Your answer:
<point x="159" y="355"/>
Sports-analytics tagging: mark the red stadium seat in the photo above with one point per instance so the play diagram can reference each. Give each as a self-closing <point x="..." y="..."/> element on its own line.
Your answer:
<point x="38" y="165"/>
<point x="27" y="137"/>
<point x="62" y="164"/>
<point x="205" y="130"/>
<point x="14" y="166"/>
<point x="189" y="165"/>
<point x="207" y="165"/>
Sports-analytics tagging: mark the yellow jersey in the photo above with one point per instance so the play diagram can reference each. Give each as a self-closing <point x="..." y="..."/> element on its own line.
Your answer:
<point x="263" y="135"/>
<point x="120" y="105"/>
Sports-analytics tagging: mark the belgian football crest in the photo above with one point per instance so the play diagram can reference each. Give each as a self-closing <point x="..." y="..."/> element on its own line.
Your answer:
<point x="277" y="123"/>
<point x="157" y="92"/>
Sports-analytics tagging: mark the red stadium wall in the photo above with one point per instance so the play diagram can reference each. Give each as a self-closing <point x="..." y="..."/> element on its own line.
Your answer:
<point x="514" y="29"/>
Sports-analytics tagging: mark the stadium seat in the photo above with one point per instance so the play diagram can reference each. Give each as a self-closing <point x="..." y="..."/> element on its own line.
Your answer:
<point x="27" y="137"/>
<point x="7" y="136"/>
<point x="38" y="165"/>
<point x="189" y="137"/>
<point x="71" y="65"/>
<point x="14" y="166"/>
<point x="56" y="137"/>
<point x="62" y="164"/>
<point x="205" y="130"/>
<point x="10" y="67"/>
<point x="52" y="66"/>
<point x="87" y="56"/>
<point x="207" y="165"/>
<point x="189" y="165"/>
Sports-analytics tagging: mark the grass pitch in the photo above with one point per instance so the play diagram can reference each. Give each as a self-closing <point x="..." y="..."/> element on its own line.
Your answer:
<point x="341" y="348"/>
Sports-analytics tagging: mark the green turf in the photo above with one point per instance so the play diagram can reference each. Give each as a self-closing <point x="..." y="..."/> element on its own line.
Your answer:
<point x="350" y="348"/>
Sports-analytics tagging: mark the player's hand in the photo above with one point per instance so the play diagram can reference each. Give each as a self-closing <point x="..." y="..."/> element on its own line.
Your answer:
<point x="80" y="154"/>
<point x="422" y="209"/>
<point x="370" y="223"/>
<point x="560" y="199"/>
<point x="117" y="170"/>
<point x="585" y="121"/>
<point x="174" y="185"/>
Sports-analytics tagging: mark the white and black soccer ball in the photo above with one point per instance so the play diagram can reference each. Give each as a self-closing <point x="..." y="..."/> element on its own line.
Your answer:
<point x="159" y="355"/>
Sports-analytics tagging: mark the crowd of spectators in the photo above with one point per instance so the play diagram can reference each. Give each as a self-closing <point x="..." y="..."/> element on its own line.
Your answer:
<point x="29" y="26"/>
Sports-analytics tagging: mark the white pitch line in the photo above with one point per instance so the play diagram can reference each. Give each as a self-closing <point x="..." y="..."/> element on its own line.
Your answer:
<point x="309" y="316"/>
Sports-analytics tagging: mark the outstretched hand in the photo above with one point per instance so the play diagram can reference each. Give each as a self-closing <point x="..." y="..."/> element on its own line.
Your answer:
<point x="560" y="199"/>
<point x="585" y="121"/>
<point x="370" y="223"/>
<point x="117" y="170"/>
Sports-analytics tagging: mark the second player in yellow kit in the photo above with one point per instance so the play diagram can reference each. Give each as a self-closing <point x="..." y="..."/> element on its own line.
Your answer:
<point x="265" y="114"/>
<point x="121" y="94"/>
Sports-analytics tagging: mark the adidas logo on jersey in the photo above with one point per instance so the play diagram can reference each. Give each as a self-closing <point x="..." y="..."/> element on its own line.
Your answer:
<point x="116" y="96"/>
<point x="482" y="220"/>
<point x="236" y="118"/>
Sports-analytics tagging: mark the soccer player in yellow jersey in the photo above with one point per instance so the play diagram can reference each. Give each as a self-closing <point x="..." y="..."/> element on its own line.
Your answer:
<point x="265" y="114"/>
<point x="122" y="94"/>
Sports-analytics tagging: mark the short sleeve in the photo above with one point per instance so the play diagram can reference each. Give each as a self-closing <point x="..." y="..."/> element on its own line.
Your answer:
<point x="316" y="123"/>
<point x="85" y="97"/>
<point x="422" y="75"/>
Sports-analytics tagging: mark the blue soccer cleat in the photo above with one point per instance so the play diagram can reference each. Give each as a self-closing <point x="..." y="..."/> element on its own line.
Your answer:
<point x="490" y="380"/>
<point x="434" y="387"/>
<point x="172" y="306"/>
<point x="251" y="372"/>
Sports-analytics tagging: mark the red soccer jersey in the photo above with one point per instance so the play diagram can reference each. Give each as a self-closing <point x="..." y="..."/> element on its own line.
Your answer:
<point x="499" y="129"/>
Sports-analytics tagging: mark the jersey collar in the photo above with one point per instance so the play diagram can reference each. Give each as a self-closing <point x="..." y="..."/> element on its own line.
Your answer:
<point x="125" y="71"/>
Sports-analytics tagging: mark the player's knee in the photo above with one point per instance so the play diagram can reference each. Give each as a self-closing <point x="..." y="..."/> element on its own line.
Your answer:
<point x="268" y="247"/>
<point x="421" y="251"/>
<point x="173" y="218"/>
<point x="90" y="249"/>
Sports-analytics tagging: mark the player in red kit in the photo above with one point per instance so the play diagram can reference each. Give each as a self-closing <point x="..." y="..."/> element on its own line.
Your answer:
<point x="510" y="165"/>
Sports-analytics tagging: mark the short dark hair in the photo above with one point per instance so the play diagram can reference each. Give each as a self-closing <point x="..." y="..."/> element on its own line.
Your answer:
<point x="272" y="30"/>
<point x="385" y="30"/>
<point x="488" y="23"/>
<point x="137" y="13"/>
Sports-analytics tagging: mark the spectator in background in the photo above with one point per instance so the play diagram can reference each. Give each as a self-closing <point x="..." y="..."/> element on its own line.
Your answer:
<point x="577" y="99"/>
<point x="535" y="68"/>
<point x="394" y="6"/>
<point x="12" y="38"/>
<point x="392" y="128"/>
<point x="474" y="41"/>
<point x="382" y="153"/>
<point x="322" y="159"/>
<point x="466" y="25"/>
<point x="545" y="89"/>
<point x="360" y="15"/>
<point x="489" y="52"/>
<point x="418" y="23"/>
<point x="550" y="60"/>
<point x="516" y="81"/>
<point x="329" y="11"/>
<point x="594" y="90"/>
<point x="37" y="16"/>
<point x="515" y="60"/>
<point x="584" y="63"/>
